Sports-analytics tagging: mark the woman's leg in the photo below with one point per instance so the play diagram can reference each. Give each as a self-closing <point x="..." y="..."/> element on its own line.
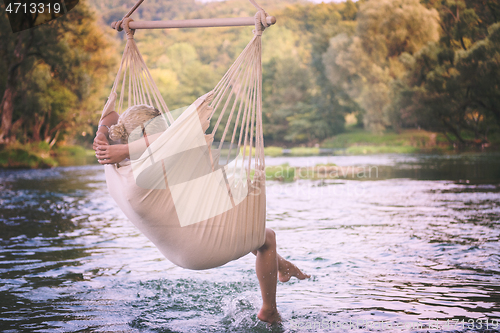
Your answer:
<point x="269" y="265"/>
<point x="266" y="267"/>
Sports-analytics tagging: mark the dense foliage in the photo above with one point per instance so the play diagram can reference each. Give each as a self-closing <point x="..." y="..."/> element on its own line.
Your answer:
<point x="52" y="77"/>
<point x="433" y="64"/>
<point x="453" y="86"/>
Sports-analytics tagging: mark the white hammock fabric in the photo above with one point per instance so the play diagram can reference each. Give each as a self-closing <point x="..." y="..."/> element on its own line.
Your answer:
<point x="201" y="203"/>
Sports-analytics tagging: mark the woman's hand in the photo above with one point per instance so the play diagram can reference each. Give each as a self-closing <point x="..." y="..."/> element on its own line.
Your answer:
<point x="110" y="154"/>
<point x="100" y="139"/>
<point x="105" y="153"/>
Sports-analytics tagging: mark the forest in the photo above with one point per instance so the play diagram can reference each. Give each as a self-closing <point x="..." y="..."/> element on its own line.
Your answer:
<point x="386" y="65"/>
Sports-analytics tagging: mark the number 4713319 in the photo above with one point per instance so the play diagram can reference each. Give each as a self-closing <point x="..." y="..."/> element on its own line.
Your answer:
<point x="33" y="8"/>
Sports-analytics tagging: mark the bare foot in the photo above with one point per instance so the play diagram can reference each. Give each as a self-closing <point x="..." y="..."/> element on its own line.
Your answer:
<point x="270" y="316"/>
<point x="286" y="270"/>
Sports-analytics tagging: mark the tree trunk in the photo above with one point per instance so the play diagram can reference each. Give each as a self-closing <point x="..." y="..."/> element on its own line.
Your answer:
<point x="7" y="104"/>
<point x="37" y="127"/>
<point x="7" y="107"/>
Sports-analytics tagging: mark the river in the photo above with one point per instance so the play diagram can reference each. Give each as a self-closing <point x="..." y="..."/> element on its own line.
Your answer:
<point x="414" y="241"/>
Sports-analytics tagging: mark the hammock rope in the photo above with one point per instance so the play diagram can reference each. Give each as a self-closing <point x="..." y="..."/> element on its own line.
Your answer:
<point x="222" y="200"/>
<point x="239" y="89"/>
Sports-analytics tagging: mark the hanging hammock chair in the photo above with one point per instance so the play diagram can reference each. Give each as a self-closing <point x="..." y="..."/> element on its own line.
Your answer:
<point x="200" y="201"/>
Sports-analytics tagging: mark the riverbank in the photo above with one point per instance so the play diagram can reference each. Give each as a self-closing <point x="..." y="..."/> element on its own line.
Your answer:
<point x="354" y="141"/>
<point x="41" y="156"/>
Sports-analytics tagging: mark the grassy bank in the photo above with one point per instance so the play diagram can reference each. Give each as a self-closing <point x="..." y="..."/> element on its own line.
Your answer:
<point x="359" y="142"/>
<point x="411" y="137"/>
<point x="41" y="156"/>
<point x="353" y="142"/>
<point x="356" y="141"/>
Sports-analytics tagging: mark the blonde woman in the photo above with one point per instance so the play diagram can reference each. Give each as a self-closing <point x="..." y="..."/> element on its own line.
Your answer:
<point x="270" y="266"/>
<point x="118" y="130"/>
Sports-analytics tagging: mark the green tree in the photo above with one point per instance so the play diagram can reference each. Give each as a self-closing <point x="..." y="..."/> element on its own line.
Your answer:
<point x="452" y="85"/>
<point x="316" y="110"/>
<point x="55" y="76"/>
<point x="365" y="65"/>
<point x="464" y="22"/>
<point x="286" y="85"/>
<point x="456" y="92"/>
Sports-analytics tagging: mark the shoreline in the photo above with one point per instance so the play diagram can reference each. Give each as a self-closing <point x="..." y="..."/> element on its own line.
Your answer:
<point x="29" y="157"/>
<point x="41" y="156"/>
<point x="352" y="142"/>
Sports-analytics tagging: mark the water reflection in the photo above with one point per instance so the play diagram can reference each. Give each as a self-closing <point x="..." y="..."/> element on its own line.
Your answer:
<point x="420" y="242"/>
<point x="482" y="168"/>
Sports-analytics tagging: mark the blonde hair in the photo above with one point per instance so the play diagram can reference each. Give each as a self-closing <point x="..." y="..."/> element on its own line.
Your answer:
<point x="133" y="117"/>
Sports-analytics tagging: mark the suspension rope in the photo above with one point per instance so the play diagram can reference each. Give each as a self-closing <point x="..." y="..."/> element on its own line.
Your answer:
<point x="239" y="91"/>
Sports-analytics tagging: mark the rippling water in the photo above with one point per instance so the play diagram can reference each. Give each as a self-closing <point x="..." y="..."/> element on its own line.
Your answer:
<point x="416" y="241"/>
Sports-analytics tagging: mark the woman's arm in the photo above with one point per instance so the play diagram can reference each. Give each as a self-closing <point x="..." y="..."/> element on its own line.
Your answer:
<point x="106" y="153"/>
<point x="102" y="134"/>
